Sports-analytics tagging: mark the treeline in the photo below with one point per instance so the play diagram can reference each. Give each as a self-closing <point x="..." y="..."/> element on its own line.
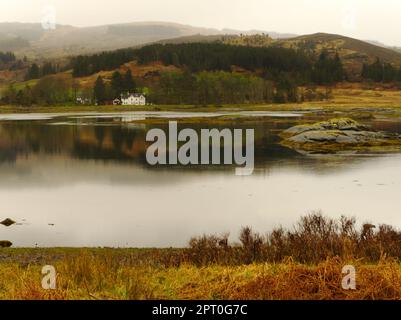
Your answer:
<point x="210" y="88"/>
<point x="222" y="87"/>
<point x="35" y="71"/>
<point x="268" y="62"/>
<point x="176" y="87"/>
<point x="8" y="61"/>
<point x="381" y="72"/>
<point x="104" y="92"/>
<point x="199" y="57"/>
<point x="63" y="89"/>
<point x="328" y="70"/>
<point x="7" y="57"/>
<point x="85" y="65"/>
<point x="49" y="90"/>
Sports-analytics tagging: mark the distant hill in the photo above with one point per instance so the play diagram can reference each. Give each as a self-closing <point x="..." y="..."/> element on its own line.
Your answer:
<point x="352" y="52"/>
<point x="378" y="43"/>
<point x="32" y="40"/>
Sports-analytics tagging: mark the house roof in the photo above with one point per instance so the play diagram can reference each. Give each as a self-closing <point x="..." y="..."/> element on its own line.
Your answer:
<point x="135" y="95"/>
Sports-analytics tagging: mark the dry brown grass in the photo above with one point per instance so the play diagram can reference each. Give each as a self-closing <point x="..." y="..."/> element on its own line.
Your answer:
<point x="322" y="282"/>
<point x="304" y="262"/>
<point x="91" y="276"/>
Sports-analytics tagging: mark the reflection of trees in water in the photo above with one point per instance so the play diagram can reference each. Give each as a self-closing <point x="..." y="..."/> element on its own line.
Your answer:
<point x="110" y="143"/>
<point x="26" y="138"/>
<point x="89" y="142"/>
<point x="99" y="133"/>
<point x="128" y="144"/>
<point x="105" y="142"/>
<point x="101" y="142"/>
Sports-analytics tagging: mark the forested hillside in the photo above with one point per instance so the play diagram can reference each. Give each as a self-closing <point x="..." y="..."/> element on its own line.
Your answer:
<point x="353" y="53"/>
<point x="204" y="73"/>
<point x="200" y="73"/>
<point x="268" y="63"/>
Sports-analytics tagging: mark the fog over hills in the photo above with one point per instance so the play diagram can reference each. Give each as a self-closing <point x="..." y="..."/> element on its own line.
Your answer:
<point x="31" y="39"/>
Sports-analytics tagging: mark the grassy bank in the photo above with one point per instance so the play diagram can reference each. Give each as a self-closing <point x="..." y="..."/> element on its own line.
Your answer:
<point x="89" y="275"/>
<point x="305" y="262"/>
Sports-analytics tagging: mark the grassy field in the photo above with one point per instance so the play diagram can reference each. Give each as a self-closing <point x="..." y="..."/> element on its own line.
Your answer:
<point x="305" y="262"/>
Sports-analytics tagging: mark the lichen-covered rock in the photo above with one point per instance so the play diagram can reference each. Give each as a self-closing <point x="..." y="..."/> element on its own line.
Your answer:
<point x="341" y="124"/>
<point x="335" y="135"/>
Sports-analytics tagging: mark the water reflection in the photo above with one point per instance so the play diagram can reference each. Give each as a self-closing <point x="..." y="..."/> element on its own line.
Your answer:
<point x="90" y="139"/>
<point x="88" y="176"/>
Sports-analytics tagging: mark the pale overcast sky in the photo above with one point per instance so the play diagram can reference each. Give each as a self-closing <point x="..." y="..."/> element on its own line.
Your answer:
<point x="364" y="19"/>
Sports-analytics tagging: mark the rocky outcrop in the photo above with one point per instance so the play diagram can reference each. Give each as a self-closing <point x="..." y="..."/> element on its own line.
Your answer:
<point x="336" y="135"/>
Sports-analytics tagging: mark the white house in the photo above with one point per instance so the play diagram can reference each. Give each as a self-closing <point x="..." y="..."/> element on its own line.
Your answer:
<point x="132" y="99"/>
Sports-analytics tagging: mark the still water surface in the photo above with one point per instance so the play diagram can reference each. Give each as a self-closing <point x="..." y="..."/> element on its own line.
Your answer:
<point x="82" y="180"/>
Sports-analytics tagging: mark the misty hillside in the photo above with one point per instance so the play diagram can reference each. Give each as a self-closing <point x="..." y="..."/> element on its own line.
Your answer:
<point x="353" y="52"/>
<point x="32" y="40"/>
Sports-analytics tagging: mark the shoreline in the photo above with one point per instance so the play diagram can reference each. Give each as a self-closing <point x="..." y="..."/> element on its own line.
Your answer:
<point x="343" y="99"/>
<point x="107" y="274"/>
<point x="304" y="107"/>
<point x="306" y="262"/>
<point x="360" y="109"/>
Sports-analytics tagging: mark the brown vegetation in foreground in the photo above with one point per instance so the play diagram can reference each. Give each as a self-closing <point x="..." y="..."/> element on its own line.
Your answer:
<point x="90" y="275"/>
<point x="312" y="240"/>
<point x="302" y="263"/>
<point x="323" y="282"/>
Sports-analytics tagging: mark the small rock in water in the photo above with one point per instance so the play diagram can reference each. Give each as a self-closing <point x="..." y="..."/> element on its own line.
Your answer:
<point x="5" y="243"/>
<point x="8" y="222"/>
